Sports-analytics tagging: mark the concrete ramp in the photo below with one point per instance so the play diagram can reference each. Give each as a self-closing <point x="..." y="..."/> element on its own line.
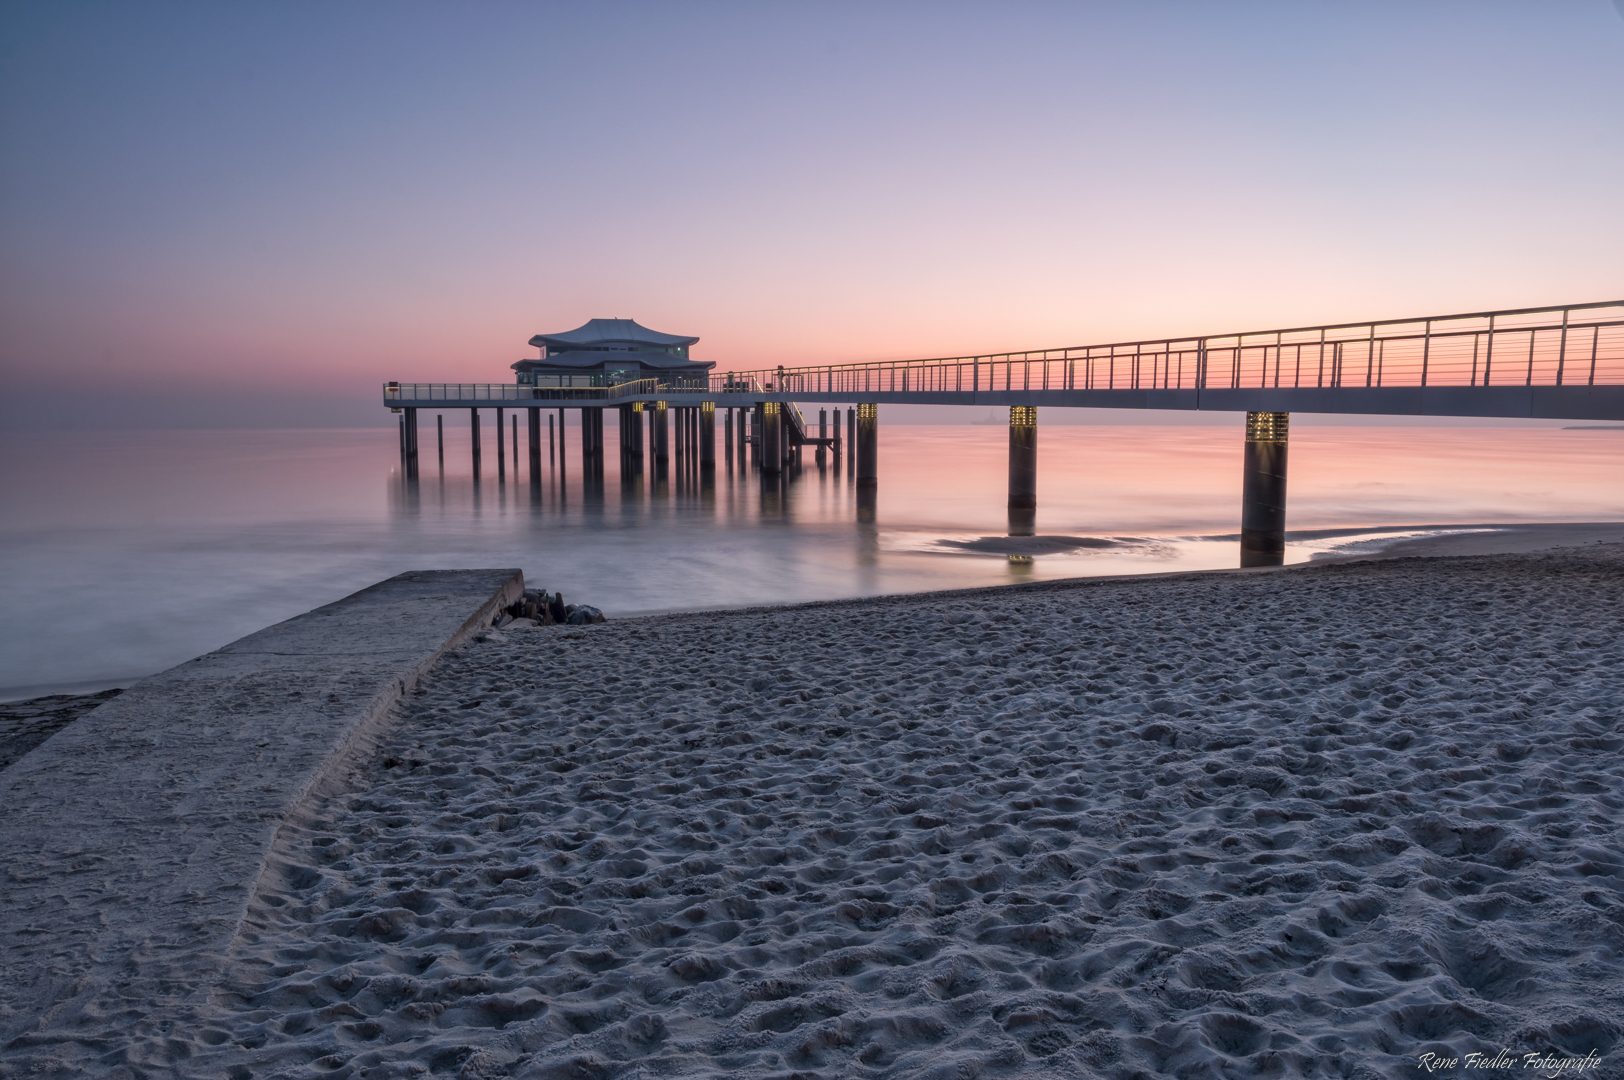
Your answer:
<point x="131" y="840"/>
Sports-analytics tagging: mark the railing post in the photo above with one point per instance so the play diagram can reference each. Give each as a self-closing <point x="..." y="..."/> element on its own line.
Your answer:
<point x="1426" y="351"/>
<point x="1562" y="349"/>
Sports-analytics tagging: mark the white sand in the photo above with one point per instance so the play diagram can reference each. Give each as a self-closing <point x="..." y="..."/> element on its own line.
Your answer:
<point x="1307" y="823"/>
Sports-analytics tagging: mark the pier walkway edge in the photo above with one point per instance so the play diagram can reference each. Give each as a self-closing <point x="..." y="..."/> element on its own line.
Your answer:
<point x="131" y="841"/>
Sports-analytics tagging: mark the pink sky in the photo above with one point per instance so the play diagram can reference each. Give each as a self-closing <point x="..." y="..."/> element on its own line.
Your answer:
<point x="261" y="212"/>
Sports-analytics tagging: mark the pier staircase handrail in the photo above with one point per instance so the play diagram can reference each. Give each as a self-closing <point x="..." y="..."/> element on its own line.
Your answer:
<point x="1566" y="345"/>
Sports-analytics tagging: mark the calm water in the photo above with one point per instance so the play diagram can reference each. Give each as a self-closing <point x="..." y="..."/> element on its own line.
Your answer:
<point x="126" y="553"/>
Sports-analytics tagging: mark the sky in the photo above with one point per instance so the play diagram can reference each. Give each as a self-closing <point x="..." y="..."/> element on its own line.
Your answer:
<point x="253" y="214"/>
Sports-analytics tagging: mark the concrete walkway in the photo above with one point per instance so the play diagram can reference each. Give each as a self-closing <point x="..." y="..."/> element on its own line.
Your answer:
<point x="131" y="840"/>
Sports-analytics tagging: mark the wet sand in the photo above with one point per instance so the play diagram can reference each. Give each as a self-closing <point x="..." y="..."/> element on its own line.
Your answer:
<point x="1312" y="822"/>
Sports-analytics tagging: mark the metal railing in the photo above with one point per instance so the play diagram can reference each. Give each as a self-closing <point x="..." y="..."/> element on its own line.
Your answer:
<point x="501" y="393"/>
<point x="1573" y="345"/>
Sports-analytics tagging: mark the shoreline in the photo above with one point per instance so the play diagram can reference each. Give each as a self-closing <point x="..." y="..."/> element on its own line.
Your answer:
<point x="1115" y="825"/>
<point x="1487" y="538"/>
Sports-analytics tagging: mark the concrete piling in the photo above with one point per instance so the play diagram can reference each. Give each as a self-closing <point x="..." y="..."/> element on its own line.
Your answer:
<point x="771" y="450"/>
<point x="439" y="437"/>
<point x="1023" y="469"/>
<point x="473" y="430"/>
<point x="851" y="442"/>
<point x="1263" y="491"/>
<point x="501" y="450"/>
<point x="707" y="437"/>
<point x="662" y="436"/>
<point x="533" y="420"/>
<point x="868" y="464"/>
<point x="411" y="444"/>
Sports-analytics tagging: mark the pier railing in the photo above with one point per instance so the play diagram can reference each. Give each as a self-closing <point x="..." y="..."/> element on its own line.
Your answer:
<point x="502" y="393"/>
<point x="1574" y="345"/>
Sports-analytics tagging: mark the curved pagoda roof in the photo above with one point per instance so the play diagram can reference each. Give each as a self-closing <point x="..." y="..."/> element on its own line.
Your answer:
<point x="598" y="331"/>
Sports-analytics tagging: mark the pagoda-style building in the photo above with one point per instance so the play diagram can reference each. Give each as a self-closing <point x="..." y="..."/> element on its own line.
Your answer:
<point x="607" y="352"/>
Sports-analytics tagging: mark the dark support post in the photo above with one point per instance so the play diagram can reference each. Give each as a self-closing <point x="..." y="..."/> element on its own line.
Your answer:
<point x="823" y="433"/>
<point x="402" y="442"/>
<point x="662" y="435"/>
<point x="534" y="419"/>
<point x="1263" y="492"/>
<point x="515" y="447"/>
<point x="771" y="450"/>
<point x="744" y="443"/>
<point x="501" y="450"/>
<point x="838" y="447"/>
<point x="868" y="466"/>
<point x="439" y="437"/>
<point x="563" y="445"/>
<point x="473" y="428"/>
<point x="1023" y="469"/>
<point x="758" y="441"/>
<point x="552" y="444"/>
<point x="591" y="441"/>
<point x="707" y="436"/>
<point x="411" y="444"/>
<point x="727" y="439"/>
<point x="851" y="440"/>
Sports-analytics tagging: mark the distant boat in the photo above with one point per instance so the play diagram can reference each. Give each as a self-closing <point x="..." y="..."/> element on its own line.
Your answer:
<point x="992" y="418"/>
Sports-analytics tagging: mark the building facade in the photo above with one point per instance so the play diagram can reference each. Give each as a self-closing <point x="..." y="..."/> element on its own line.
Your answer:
<point x="608" y="352"/>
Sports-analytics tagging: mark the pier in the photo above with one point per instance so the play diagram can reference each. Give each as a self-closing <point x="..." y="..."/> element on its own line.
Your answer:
<point x="1560" y="362"/>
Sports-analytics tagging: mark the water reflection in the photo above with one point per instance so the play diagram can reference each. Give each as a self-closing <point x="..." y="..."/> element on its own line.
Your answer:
<point x="196" y="538"/>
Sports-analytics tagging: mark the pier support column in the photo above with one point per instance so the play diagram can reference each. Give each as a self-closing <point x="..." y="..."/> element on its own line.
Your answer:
<point x="707" y="436"/>
<point x="1023" y="469"/>
<point x="822" y="455"/>
<point x="771" y="450"/>
<point x="851" y="441"/>
<point x="662" y="435"/>
<point x="410" y="434"/>
<point x="592" y="442"/>
<point x="1263" y="493"/>
<point x="439" y="437"/>
<point x="533" y="420"/>
<point x="727" y="439"/>
<point x="868" y="460"/>
<point x="473" y="429"/>
<point x="501" y="448"/>
<point x="563" y="445"/>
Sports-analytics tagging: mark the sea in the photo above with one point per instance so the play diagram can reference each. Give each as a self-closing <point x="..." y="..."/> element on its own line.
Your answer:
<point x="128" y="552"/>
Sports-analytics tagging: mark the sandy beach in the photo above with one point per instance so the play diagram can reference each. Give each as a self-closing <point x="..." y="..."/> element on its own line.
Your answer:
<point x="1319" y="822"/>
